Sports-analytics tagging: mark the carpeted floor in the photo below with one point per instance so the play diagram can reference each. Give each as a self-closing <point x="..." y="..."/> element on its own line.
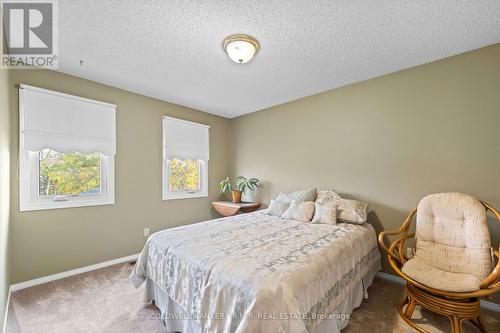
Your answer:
<point x="105" y="301"/>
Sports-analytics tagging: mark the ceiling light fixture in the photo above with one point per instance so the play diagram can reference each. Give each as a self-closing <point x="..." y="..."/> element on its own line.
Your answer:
<point x="241" y="48"/>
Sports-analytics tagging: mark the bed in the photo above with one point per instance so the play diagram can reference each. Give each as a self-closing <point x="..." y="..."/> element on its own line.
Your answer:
<point x="258" y="273"/>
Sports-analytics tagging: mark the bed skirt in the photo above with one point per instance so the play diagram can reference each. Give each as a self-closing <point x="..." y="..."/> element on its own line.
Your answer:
<point x="178" y="320"/>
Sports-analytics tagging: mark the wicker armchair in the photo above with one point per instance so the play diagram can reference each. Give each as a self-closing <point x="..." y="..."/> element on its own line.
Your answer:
<point x="452" y="266"/>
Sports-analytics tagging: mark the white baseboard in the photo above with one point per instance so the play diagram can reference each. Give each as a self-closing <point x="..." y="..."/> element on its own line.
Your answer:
<point x="4" y="328"/>
<point x="391" y="277"/>
<point x="62" y="275"/>
<point x="484" y="304"/>
<point x="490" y="306"/>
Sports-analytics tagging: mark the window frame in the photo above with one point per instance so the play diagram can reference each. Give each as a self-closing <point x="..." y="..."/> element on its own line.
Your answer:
<point x="29" y="186"/>
<point x="204" y="171"/>
<point x="173" y="195"/>
<point x="28" y="176"/>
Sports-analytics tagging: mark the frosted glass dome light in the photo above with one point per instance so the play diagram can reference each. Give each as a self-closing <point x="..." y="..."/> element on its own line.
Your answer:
<point x="241" y="48"/>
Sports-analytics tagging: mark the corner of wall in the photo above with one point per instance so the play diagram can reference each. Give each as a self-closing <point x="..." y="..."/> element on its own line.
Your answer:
<point x="231" y="149"/>
<point x="4" y="192"/>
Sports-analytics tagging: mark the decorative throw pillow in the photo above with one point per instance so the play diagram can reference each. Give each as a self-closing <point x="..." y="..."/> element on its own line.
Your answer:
<point x="277" y="208"/>
<point x="306" y="195"/>
<point x="351" y="211"/>
<point x="327" y="195"/>
<point x="325" y="213"/>
<point x="301" y="211"/>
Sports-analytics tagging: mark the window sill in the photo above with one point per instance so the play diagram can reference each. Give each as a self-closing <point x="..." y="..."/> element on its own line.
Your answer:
<point x="64" y="204"/>
<point x="185" y="196"/>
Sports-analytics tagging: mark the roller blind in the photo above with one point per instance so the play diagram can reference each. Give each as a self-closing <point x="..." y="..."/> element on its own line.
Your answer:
<point x="185" y="140"/>
<point x="62" y="122"/>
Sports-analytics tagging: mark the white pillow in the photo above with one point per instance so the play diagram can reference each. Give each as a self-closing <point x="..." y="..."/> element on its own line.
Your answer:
<point x="301" y="211"/>
<point x="306" y="195"/>
<point x="327" y="195"/>
<point x="351" y="211"/>
<point x="325" y="213"/>
<point x="277" y="208"/>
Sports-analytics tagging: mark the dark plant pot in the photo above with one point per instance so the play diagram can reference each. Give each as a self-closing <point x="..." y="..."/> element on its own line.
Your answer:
<point x="236" y="195"/>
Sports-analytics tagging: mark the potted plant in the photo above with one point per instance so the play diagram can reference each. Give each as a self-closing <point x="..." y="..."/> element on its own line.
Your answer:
<point x="243" y="184"/>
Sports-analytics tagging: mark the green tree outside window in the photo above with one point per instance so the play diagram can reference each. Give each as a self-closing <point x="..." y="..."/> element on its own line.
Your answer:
<point x="183" y="175"/>
<point x="69" y="173"/>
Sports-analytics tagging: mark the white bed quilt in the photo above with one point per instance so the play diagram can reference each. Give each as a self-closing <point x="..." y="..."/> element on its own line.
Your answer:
<point x="258" y="273"/>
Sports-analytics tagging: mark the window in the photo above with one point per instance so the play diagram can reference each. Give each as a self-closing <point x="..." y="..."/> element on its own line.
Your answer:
<point x="68" y="174"/>
<point x="184" y="175"/>
<point x="185" y="159"/>
<point x="67" y="148"/>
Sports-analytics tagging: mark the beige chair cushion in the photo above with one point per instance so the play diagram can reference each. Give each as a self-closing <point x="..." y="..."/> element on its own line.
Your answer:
<point x="453" y="242"/>
<point x="439" y="279"/>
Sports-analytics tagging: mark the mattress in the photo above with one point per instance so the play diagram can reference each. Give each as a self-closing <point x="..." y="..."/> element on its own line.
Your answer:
<point x="255" y="272"/>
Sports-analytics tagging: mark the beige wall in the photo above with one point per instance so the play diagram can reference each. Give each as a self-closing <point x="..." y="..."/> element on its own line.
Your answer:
<point x="52" y="241"/>
<point x="387" y="141"/>
<point x="4" y="190"/>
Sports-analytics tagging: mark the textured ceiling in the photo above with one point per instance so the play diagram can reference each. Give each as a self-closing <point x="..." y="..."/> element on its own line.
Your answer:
<point x="172" y="50"/>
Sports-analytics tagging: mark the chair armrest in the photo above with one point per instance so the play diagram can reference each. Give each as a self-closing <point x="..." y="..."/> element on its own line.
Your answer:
<point x="492" y="280"/>
<point x="381" y="242"/>
<point x="381" y="237"/>
<point x="403" y="229"/>
<point x="495" y="274"/>
<point x="492" y="209"/>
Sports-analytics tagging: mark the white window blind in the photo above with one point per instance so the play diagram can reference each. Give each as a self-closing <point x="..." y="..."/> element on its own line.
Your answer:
<point x="185" y="140"/>
<point x="65" y="123"/>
